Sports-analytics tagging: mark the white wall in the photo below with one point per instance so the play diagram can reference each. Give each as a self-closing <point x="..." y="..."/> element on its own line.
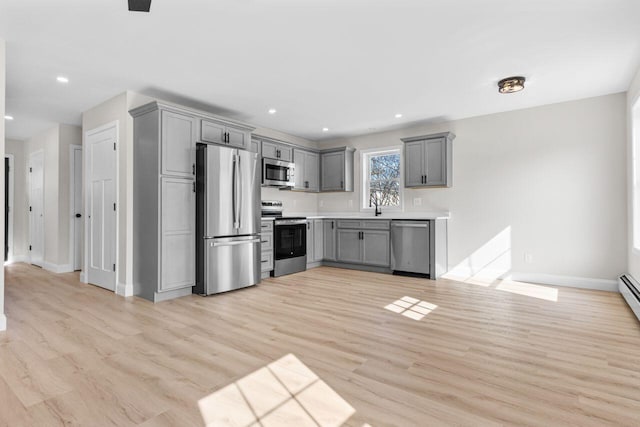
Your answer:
<point x="20" y="201"/>
<point x="633" y="96"/>
<point x="68" y="135"/>
<point x="3" y="319"/>
<point x="55" y="145"/>
<point x="547" y="181"/>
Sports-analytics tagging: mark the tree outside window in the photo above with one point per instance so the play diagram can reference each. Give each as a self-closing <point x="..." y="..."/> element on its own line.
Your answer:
<point x="382" y="179"/>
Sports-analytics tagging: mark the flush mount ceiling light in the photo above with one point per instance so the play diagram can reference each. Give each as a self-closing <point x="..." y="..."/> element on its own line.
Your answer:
<point x="272" y="111"/>
<point x="62" y="79"/>
<point x="8" y="117"/>
<point x="398" y="116"/>
<point x="511" y="84"/>
<point x="325" y="129"/>
<point x="139" y="5"/>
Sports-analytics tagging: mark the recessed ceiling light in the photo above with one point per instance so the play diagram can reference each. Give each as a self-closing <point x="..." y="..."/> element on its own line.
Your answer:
<point x="511" y="84"/>
<point x="62" y="79"/>
<point x="8" y="117"/>
<point x="398" y="115"/>
<point x="325" y="129"/>
<point x="272" y="111"/>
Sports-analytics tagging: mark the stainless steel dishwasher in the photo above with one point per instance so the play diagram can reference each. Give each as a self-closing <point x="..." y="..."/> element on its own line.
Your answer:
<point x="410" y="247"/>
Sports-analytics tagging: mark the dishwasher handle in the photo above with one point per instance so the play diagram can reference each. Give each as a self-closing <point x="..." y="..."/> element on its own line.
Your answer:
<point x="409" y="225"/>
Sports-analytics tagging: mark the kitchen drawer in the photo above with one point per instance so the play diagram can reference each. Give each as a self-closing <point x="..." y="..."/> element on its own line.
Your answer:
<point x="376" y="224"/>
<point x="266" y="226"/>
<point x="267" y="241"/>
<point x="373" y="224"/>
<point x="343" y="223"/>
<point x="266" y="261"/>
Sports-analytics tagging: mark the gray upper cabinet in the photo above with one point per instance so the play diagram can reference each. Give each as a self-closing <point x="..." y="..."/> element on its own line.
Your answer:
<point x="307" y="176"/>
<point x="336" y="169"/>
<point x="255" y="147"/>
<point x="275" y="150"/>
<point x="429" y="160"/>
<point x="178" y="144"/>
<point x="329" y="237"/>
<point x="220" y="132"/>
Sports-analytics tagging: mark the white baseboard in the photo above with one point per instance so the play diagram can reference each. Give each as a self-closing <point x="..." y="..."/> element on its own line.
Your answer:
<point x="83" y="277"/>
<point x="57" y="268"/>
<point x="3" y="322"/>
<point x="570" y="281"/>
<point x="16" y="259"/>
<point x="124" y="289"/>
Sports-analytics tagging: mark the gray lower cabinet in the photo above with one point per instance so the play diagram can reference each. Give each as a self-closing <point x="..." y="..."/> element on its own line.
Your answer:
<point x="177" y="244"/>
<point x="329" y="237"/>
<point x="224" y="133"/>
<point x="429" y="160"/>
<point x="349" y="246"/>
<point x="275" y="150"/>
<point x="306" y="173"/>
<point x="376" y="248"/>
<point x="266" y="248"/>
<point x="363" y="242"/>
<point x="315" y="241"/>
<point x="336" y="169"/>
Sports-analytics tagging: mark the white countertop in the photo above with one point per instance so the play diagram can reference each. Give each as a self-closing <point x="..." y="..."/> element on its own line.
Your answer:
<point x="361" y="215"/>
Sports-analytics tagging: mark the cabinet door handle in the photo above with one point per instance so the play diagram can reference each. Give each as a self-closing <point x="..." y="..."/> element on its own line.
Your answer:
<point x="341" y="184"/>
<point x="332" y="225"/>
<point x="194" y="187"/>
<point x="193" y="168"/>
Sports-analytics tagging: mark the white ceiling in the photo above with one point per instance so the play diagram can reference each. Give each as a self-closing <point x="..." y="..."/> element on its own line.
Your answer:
<point x="349" y="65"/>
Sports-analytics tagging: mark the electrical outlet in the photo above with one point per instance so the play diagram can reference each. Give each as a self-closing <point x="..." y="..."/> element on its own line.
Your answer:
<point x="528" y="258"/>
<point x="322" y="203"/>
<point x="417" y="201"/>
<point x="295" y="203"/>
<point x="350" y="203"/>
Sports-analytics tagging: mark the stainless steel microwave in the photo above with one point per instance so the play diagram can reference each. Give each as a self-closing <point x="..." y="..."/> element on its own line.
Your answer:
<point x="276" y="173"/>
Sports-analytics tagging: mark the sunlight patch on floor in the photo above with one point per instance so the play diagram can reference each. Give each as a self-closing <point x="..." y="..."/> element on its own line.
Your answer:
<point x="283" y="393"/>
<point x="412" y="308"/>
<point x="529" y="290"/>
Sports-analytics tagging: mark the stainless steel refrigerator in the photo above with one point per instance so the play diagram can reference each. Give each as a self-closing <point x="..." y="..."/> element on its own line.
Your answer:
<point x="228" y="219"/>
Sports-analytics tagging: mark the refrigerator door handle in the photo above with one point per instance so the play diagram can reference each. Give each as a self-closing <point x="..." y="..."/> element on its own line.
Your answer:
<point x="239" y="195"/>
<point x="234" y="195"/>
<point x="235" y="242"/>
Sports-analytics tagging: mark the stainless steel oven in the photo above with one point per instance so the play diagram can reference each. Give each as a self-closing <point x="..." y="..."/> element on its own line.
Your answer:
<point x="290" y="245"/>
<point x="276" y="173"/>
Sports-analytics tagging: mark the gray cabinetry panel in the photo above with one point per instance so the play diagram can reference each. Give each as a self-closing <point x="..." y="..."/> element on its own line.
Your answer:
<point x="178" y="144"/>
<point x="178" y="234"/>
<point x="435" y="164"/>
<point x="375" y="248"/>
<point x="333" y="171"/>
<point x="212" y="132"/>
<point x="329" y="237"/>
<point x="310" y="236"/>
<point x="274" y="150"/>
<point x="318" y="240"/>
<point x="414" y="163"/>
<point x="349" y="247"/>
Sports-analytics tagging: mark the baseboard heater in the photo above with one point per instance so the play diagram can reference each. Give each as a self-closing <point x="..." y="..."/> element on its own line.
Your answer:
<point x="630" y="290"/>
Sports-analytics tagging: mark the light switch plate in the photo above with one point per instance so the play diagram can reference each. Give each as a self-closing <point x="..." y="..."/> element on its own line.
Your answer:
<point x="350" y="203"/>
<point x="322" y="203"/>
<point x="417" y="201"/>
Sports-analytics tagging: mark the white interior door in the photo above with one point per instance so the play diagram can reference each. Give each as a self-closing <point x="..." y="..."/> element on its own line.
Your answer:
<point x="76" y="207"/>
<point x="36" y="208"/>
<point x="101" y="207"/>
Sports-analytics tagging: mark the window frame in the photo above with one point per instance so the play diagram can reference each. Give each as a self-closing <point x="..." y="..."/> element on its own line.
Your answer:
<point x="364" y="177"/>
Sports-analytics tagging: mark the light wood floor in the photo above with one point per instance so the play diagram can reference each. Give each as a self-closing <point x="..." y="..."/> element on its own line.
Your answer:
<point x="75" y="354"/>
